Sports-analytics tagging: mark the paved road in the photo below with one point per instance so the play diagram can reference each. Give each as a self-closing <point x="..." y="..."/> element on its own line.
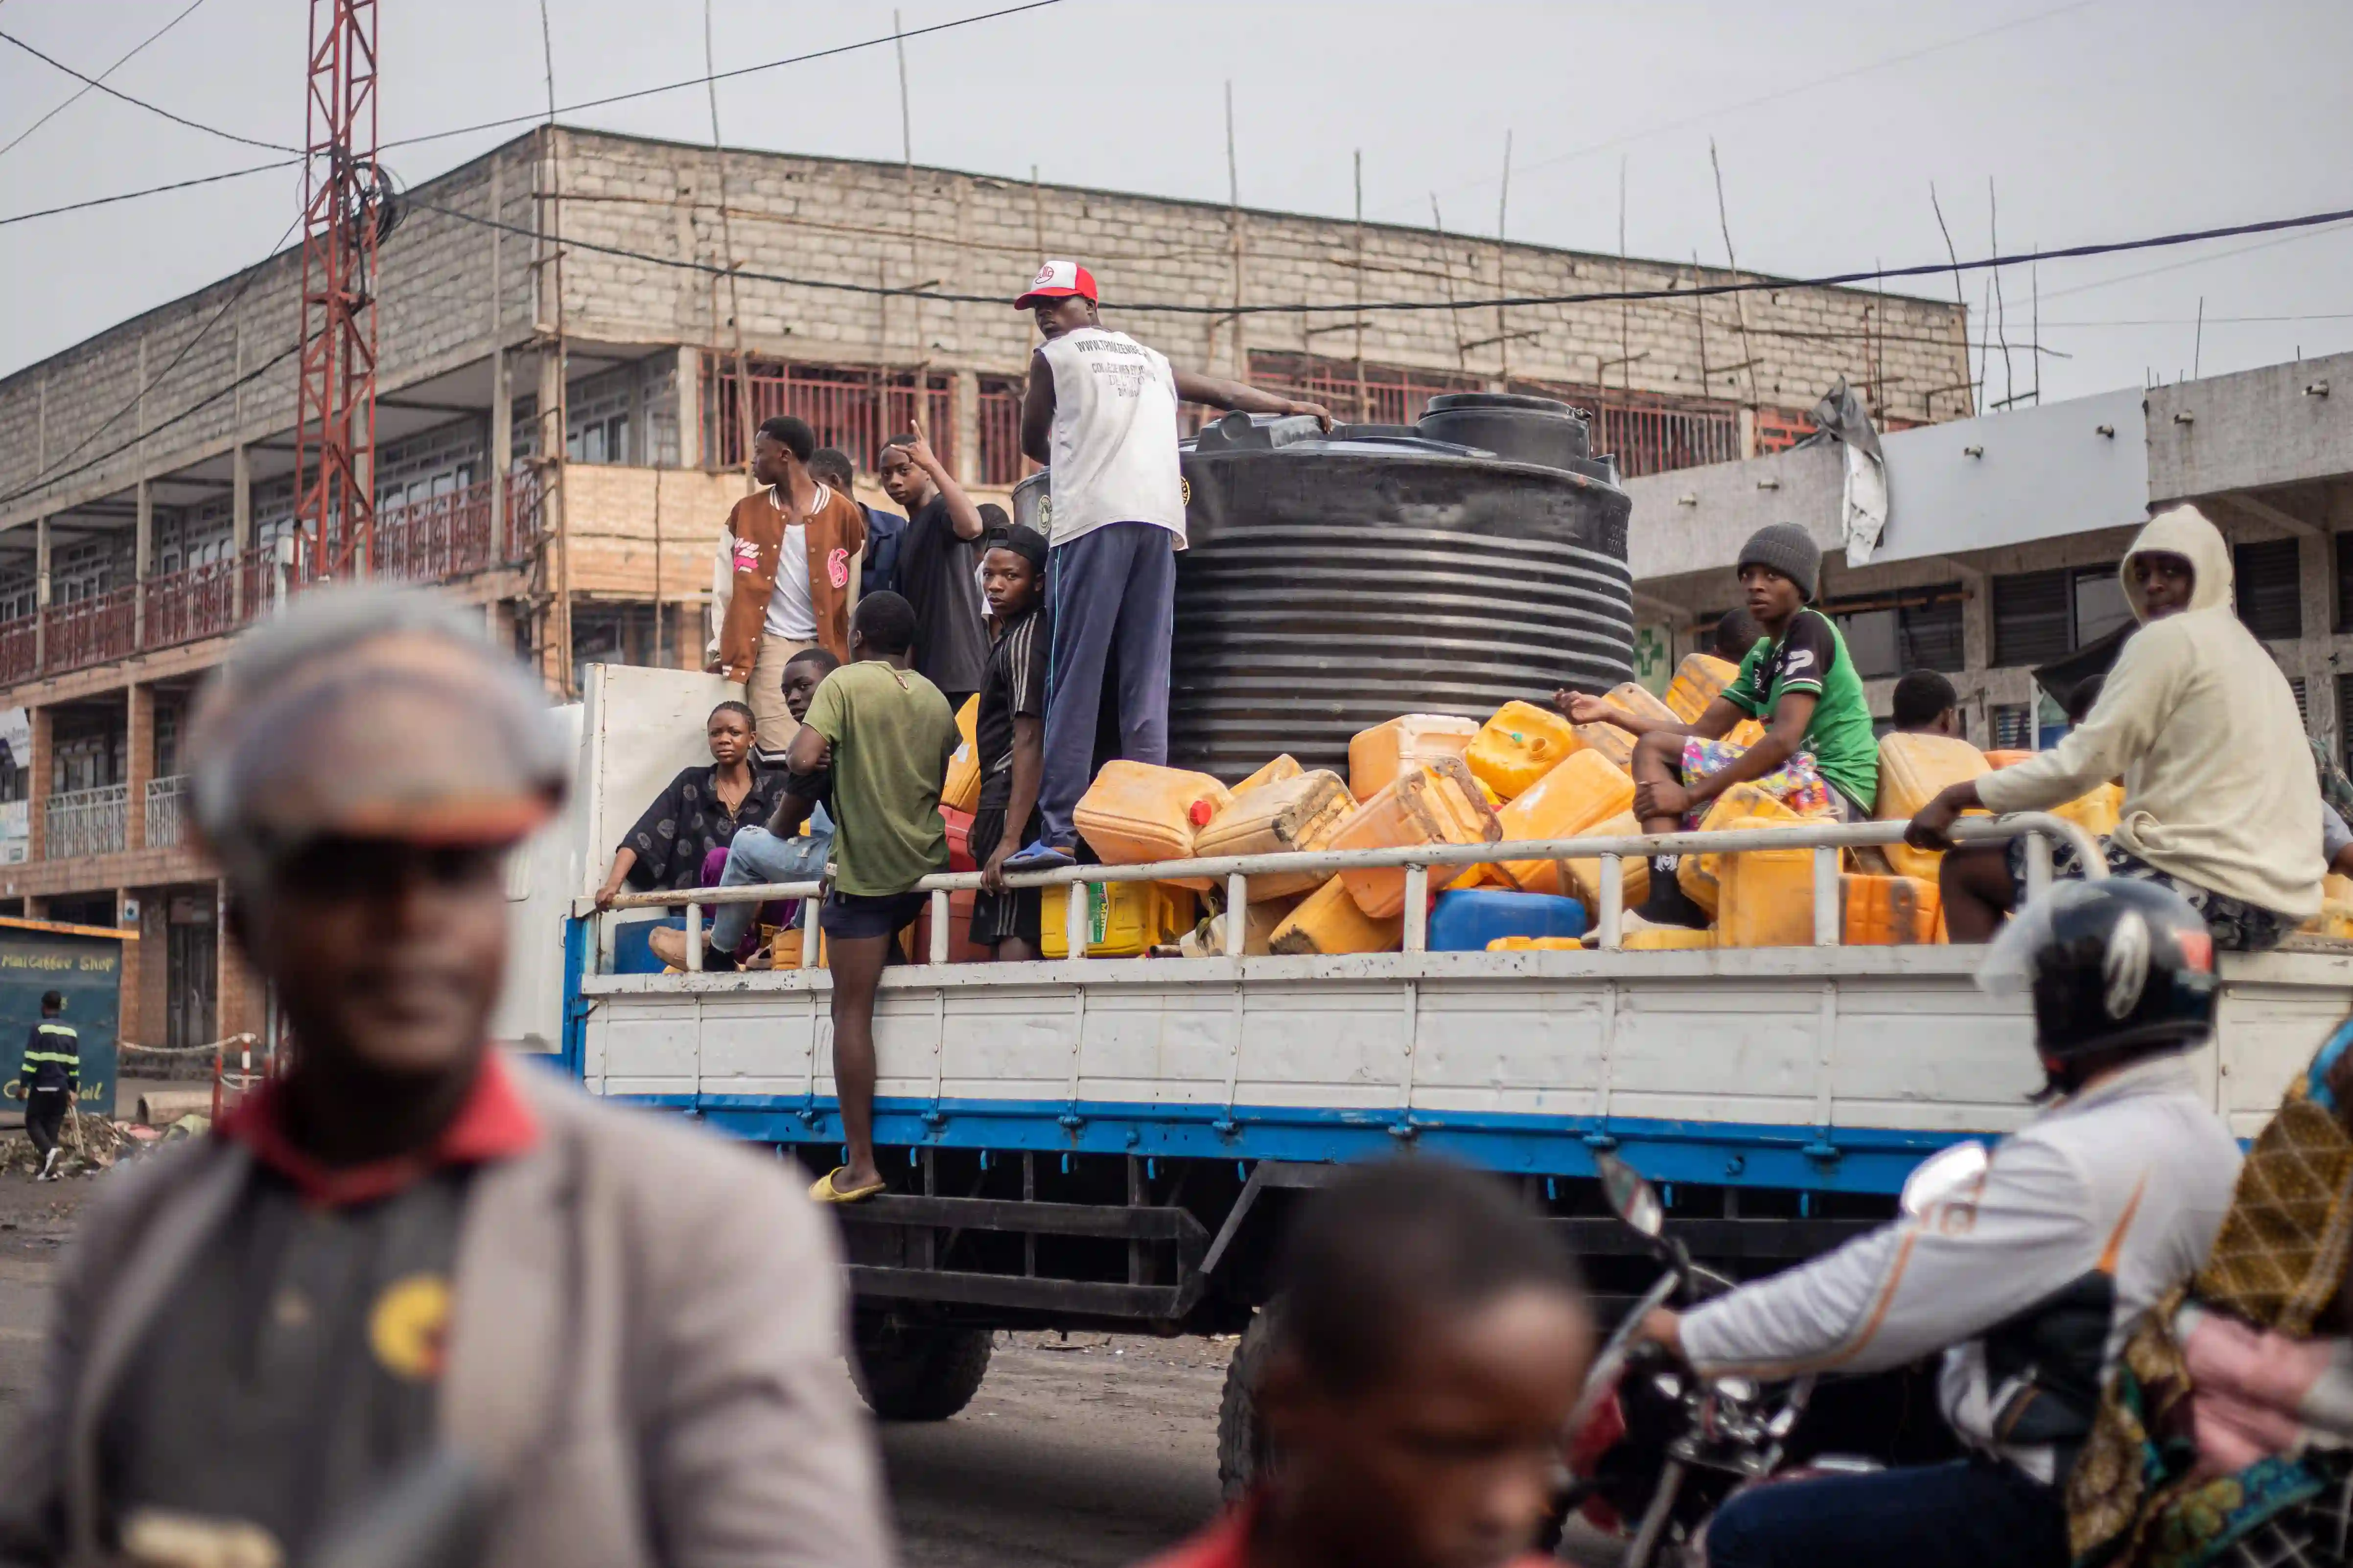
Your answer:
<point x="1090" y="1452"/>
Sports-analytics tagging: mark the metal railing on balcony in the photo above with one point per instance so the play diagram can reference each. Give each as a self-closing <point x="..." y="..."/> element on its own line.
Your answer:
<point x="445" y="536"/>
<point x="430" y="540"/>
<point x="1001" y="459"/>
<point x="20" y="643"/>
<point x="856" y="408"/>
<point x="86" y="822"/>
<point x="167" y="812"/>
<point x="191" y="603"/>
<point x="89" y="631"/>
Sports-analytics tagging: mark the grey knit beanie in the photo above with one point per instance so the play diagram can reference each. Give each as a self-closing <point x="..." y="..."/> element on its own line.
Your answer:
<point x="1788" y="549"/>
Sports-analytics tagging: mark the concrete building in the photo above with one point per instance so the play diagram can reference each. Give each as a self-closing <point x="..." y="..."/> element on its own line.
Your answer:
<point x="644" y="291"/>
<point x="2004" y="535"/>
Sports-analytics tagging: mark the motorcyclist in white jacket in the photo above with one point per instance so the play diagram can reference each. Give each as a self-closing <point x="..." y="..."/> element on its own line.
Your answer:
<point x="2028" y="1281"/>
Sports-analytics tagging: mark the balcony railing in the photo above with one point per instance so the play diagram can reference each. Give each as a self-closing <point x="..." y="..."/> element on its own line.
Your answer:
<point x="20" y="642"/>
<point x="91" y="631"/>
<point x="445" y="536"/>
<point x="430" y="540"/>
<point x="197" y="602"/>
<point x="86" y="822"/>
<point x="167" y="811"/>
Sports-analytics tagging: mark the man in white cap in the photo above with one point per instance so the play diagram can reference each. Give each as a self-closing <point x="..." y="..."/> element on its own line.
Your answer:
<point x="1101" y="412"/>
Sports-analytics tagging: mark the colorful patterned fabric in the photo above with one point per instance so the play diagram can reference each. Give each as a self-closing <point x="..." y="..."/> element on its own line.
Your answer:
<point x="1797" y="783"/>
<point x="2135" y="1497"/>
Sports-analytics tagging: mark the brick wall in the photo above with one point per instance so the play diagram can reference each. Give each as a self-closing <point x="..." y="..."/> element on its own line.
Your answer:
<point x="827" y="218"/>
<point x="434" y="311"/>
<point x="830" y="218"/>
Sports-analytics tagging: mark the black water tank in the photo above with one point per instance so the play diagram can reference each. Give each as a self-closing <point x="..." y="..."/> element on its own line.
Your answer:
<point x="1337" y="581"/>
<point x="1517" y="428"/>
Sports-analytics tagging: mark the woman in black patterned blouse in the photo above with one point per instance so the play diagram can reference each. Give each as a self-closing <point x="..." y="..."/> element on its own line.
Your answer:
<point x="698" y="813"/>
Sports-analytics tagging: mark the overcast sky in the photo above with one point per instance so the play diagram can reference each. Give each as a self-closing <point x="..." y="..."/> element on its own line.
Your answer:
<point x="2095" y="120"/>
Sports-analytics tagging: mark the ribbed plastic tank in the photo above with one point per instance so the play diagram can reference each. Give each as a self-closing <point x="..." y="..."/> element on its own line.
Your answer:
<point x="1335" y="581"/>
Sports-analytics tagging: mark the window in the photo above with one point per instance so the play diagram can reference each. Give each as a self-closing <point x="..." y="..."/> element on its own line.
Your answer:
<point x="2032" y="620"/>
<point x="2343" y="543"/>
<point x="2101" y="606"/>
<point x="2043" y="615"/>
<point x="2303" y="703"/>
<point x="2013" y="727"/>
<point x="2345" y="721"/>
<point x="2270" y="588"/>
<point x="1915" y="628"/>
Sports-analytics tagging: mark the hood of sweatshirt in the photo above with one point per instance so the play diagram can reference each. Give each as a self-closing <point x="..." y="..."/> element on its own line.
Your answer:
<point x="2183" y="531"/>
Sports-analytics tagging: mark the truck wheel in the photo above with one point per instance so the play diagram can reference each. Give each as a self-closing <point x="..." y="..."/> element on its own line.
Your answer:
<point x="1243" y="1454"/>
<point x="916" y="1371"/>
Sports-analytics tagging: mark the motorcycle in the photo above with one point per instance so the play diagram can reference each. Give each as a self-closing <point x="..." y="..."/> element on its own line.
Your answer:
<point x="1653" y="1442"/>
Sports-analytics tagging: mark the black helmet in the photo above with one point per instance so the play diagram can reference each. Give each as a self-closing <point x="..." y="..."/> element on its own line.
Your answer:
<point x="2118" y="968"/>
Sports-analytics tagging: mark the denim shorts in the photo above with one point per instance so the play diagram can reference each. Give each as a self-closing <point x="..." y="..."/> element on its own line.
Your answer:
<point x="852" y="916"/>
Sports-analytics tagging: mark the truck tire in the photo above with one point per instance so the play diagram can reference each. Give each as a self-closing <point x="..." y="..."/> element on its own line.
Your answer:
<point x="1243" y="1453"/>
<point x="916" y="1371"/>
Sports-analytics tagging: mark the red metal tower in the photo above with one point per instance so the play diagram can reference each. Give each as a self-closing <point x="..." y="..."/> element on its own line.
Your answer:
<point x="334" y="439"/>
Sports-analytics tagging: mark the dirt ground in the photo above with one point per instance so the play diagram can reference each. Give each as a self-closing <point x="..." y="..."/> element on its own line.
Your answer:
<point x="1092" y="1451"/>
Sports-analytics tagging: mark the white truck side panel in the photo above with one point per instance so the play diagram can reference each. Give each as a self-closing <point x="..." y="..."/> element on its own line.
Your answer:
<point x="1842" y="1038"/>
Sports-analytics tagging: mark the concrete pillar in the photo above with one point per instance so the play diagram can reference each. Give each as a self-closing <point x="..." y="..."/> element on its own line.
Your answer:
<point x="556" y="642"/>
<point x="131" y="1020"/>
<point x="500" y="442"/>
<point x="690" y="454"/>
<point x="1977" y="655"/>
<point x="964" y="405"/>
<point x="2317" y="579"/>
<point x="139" y="762"/>
<point x="500" y="445"/>
<point x="40" y="593"/>
<point x="142" y="550"/>
<point x="231" y="987"/>
<point x="37" y="785"/>
<point x="552" y="433"/>
<point x="240" y="524"/>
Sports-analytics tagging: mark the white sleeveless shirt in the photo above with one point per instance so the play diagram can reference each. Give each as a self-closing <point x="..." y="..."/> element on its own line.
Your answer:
<point x="1115" y="442"/>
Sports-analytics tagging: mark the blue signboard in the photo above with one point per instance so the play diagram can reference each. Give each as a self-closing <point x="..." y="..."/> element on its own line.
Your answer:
<point x="84" y="964"/>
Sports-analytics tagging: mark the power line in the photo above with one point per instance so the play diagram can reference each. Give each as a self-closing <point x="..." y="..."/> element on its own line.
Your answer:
<point x="252" y="275"/>
<point x="494" y="124"/>
<point x="1597" y="296"/>
<point x="711" y="76"/>
<point x="141" y="102"/>
<point x="150" y="191"/>
<point x="209" y="398"/>
<point x="184" y="14"/>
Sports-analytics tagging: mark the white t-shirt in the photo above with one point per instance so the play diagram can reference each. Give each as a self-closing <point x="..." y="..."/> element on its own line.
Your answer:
<point x="792" y="614"/>
<point x="1115" y="441"/>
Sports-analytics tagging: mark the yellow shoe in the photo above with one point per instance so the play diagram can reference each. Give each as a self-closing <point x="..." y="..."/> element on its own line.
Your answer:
<point x="823" y="1191"/>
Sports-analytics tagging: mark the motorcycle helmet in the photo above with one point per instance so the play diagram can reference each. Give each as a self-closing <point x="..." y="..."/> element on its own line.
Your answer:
<point x="2117" y="969"/>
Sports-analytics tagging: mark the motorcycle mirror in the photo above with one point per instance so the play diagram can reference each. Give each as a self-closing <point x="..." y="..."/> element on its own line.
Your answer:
<point x="1631" y="1197"/>
<point x="1948" y="1171"/>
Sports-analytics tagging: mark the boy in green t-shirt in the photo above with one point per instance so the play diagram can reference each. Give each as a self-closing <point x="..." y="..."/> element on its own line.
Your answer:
<point x="887" y="733"/>
<point x="1819" y="753"/>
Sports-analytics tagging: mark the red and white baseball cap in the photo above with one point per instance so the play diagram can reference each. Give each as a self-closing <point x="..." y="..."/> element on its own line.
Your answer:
<point x="1059" y="280"/>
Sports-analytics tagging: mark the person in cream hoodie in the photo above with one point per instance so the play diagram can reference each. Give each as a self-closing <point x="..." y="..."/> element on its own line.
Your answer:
<point x="2219" y="798"/>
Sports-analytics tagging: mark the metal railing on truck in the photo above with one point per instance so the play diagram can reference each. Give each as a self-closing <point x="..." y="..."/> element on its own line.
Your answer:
<point x="1825" y="839"/>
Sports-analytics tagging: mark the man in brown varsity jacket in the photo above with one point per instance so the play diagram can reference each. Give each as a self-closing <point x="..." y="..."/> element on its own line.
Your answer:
<point x="782" y="580"/>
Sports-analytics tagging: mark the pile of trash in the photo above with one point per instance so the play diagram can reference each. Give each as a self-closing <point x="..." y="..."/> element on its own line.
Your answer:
<point x="94" y="1143"/>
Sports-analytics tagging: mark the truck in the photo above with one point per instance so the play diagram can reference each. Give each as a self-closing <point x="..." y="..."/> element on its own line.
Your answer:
<point x="1112" y="1144"/>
